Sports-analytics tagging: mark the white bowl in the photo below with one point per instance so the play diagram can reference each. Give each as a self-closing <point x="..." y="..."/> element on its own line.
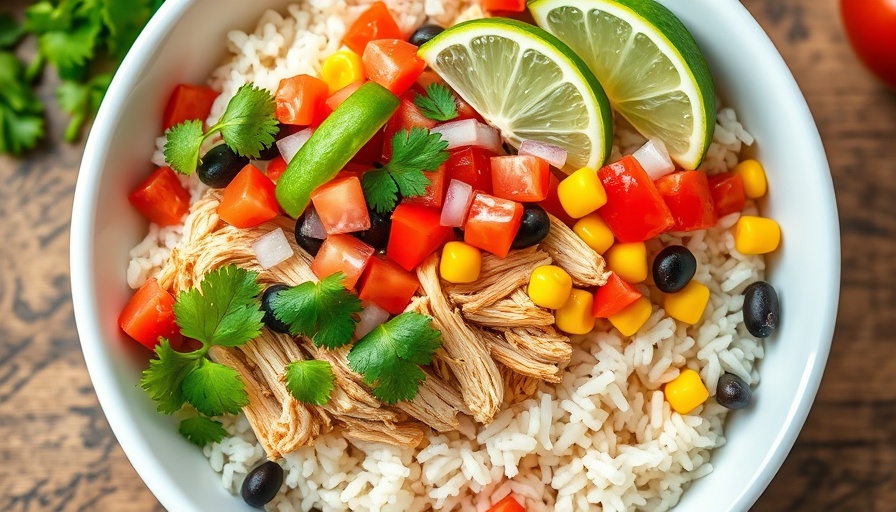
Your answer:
<point x="186" y="40"/>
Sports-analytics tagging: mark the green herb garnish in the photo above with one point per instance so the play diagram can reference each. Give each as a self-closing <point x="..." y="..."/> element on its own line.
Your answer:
<point x="438" y="104"/>
<point x="201" y="430"/>
<point x="310" y="382"/>
<point x="323" y="312"/>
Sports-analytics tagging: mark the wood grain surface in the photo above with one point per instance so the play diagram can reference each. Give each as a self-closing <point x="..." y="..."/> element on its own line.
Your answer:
<point x="57" y="452"/>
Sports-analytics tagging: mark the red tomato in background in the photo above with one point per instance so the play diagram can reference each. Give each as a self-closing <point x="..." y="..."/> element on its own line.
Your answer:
<point x="871" y="27"/>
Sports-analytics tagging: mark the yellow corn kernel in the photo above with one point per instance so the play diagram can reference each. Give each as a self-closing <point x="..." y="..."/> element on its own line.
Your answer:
<point x="687" y="304"/>
<point x="461" y="263"/>
<point x="550" y="286"/>
<point x="686" y="392"/>
<point x="628" y="261"/>
<point x="340" y="69"/>
<point x="581" y="193"/>
<point x="753" y="176"/>
<point x="575" y="317"/>
<point x="633" y="317"/>
<point x="595" y="232"/>
<point x="756" y="235"/>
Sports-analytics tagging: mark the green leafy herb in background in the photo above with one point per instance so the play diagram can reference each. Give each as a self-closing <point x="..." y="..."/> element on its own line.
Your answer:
<point x="84" y="40"/>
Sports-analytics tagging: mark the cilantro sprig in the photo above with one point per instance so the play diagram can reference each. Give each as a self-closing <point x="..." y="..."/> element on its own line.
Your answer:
<point x="323" y="312"/>
<point x="414" y="152"/>
<point x="389" y="357"/>
<point x="200" y="430"/>
<point x="247" y="126"/>
<point x="310" y="381"/>
<point x="438" y="104"/>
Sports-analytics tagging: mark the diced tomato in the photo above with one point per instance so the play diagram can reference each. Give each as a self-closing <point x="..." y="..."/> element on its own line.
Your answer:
<point x="635" y="210"/>
<point x="727" y="192"/>
<point x="161" y="198"/>
<point x="435" y="193"/>
<point x="508" y="504"/>
<point x="372" y="151"/>
<point x="387" y="285"/>
<point x="276" y="168"/>
<point x="687" y="195"/>
<point x="352" y="169"/>
<point x="614" y="296"/>
<point x="416" y="233"/>
<point x="320" y="115"/>
<point x="249" y="200"/>
<point x="465" y="110"/>
<point x="552" y="205"/>
<point x="374" y="23"/>
<point x="300" y="99"/>
<point x="504" y="5"/>
<point x="149" y="315"/>
<point x="492" y="224"/>
<point x="524" y="178"/>
<point x="473" y="166"/>
<point x="342" y="253"/>
<point x="340" y="205"/>
<point x="339" y="96"/>
<point x="188" y="102"/>
<point x="428" y="78"/>
<point x="407" y="117"/>
<point x="392" y="63"/>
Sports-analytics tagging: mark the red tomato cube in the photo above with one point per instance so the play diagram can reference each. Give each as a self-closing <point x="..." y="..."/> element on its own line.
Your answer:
<point x="552" y="205"/>
<point x="504" y="5"/>
<point x="149" y="315"/>
<point x="276" y="168"/>
<point x="342" y="253"/>
<point x="161" y="198"/>
<point x="374" y="23"/>
<point x="473" y="166"/>
<point x="727" y="192"/>
<point x="392" y="63"/>
<point x="635" y="210"/>
<point x="249" y="199"/>
<point x="407" y="117"/>
<point x="523" y="178"/>
<point x="492" y="224"/>
<point x="339" y="96"/>
<point x="188" y="102"/>
<point x="687" y="195"/>
<point x="435" y="193"/>
<point x="340" y="205"/>
<point x="416" y="233"/>
<point x="387" y="285"/>
<point x="614" y="296"/>
<point x="508" y="504"/>
<point x="300" y="99"/>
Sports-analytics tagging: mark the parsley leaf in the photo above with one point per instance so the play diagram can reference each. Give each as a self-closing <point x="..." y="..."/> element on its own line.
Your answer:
<point x="21" y="113"/>
<point x="439" y="105"/>
<point x="10" y="31"/>
<point x="323" y="311"/>
<point x="124" y="21"/>
<point x="165" y="376"/>
<point x="214" y="389"/>
<point x="201" y="430"/>
<point x="310" y="382"/>
<point x="248" y="125"/>
<point x="70" y="50"/>
<point x="81" y="101"/>
<point x="224" y="310"/>
<point x="413" y="153"/>
<point x="389" y="356"/>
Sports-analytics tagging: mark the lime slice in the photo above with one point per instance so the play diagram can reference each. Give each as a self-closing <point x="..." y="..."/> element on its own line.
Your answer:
<point x="648" y="63"/>
<point x="527" y="84"/>
<point x="333" y="144"/>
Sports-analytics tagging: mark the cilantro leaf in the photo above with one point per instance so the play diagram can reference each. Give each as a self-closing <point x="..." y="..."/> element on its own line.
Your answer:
<point x="182" y="145"/>
<point x="438" y="104"/>
<point x="323" y="311"/>
<point x="43" y="16"/>
<point x="310" y="382"/>
<point x="81" y="101"/>
<point x="225" y="310"/>
<point x="10" y="31"/>
<point x="71" y="49"/>
<point x="21" y="113"/>
<point x="201" y="430"/>
<point x="165" y="376"/>
<point x="214" y="389"/>
<point x="249" y="124"/>
<point x="124" y="20"/>
<point x="388" y="357"/>
<point x="413" y="153"/>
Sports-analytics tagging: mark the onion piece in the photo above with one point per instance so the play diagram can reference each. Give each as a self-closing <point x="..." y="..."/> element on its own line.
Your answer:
<point x="554" y="155"/>
<point x="272" y="249"/>
<point x="655" y="160"/>
<point x="371" y="317"/>
<point x="470" y="132"/>
<point x="291" y="144"/>
<point x="457" y="203"/>
<point x="312" y="227"/>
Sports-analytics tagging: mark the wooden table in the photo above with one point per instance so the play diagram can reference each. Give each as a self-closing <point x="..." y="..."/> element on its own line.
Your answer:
<point x="57" y="452"/>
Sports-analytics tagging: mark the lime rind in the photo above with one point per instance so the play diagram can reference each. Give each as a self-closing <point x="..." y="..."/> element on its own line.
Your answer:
<point x="517" y="102"/>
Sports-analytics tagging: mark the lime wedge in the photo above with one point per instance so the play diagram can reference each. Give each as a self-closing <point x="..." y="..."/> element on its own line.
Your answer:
<point x="648" y="63"/>
<point x="527" y="84"/>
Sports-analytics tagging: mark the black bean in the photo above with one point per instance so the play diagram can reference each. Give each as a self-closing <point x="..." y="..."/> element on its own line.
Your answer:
<point x="424" y="34"/>
<point x="262" y="484"/>
<point x="378" y="234"/>
<point x="535" y="227"/>
<point x="732" y="392"/>
<point x="762" y="313"/>
<point x="266" y="306"/>
<point x="219" y="166"/>
<point x="311" y="245"/>
<point x="673" y="268"/>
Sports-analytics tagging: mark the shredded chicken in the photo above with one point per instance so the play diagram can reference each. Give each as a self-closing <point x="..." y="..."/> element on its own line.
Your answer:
<point x="569" y="251"/>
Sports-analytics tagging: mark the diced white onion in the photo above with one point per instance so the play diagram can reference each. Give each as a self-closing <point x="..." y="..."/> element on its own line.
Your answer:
<point x="654" y="158"/>
<point x="371" y="317"/>
<point x="470" y="132"/>
<point x="554" y="155"/>
<point x="457" y="203"/>
<point x="272" y="249"/>
<point x="291" y="144"/>
<point x="312" y="227"/>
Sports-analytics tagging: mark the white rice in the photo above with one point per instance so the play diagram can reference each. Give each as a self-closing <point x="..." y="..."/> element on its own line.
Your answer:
<point x="605" y="436"/>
